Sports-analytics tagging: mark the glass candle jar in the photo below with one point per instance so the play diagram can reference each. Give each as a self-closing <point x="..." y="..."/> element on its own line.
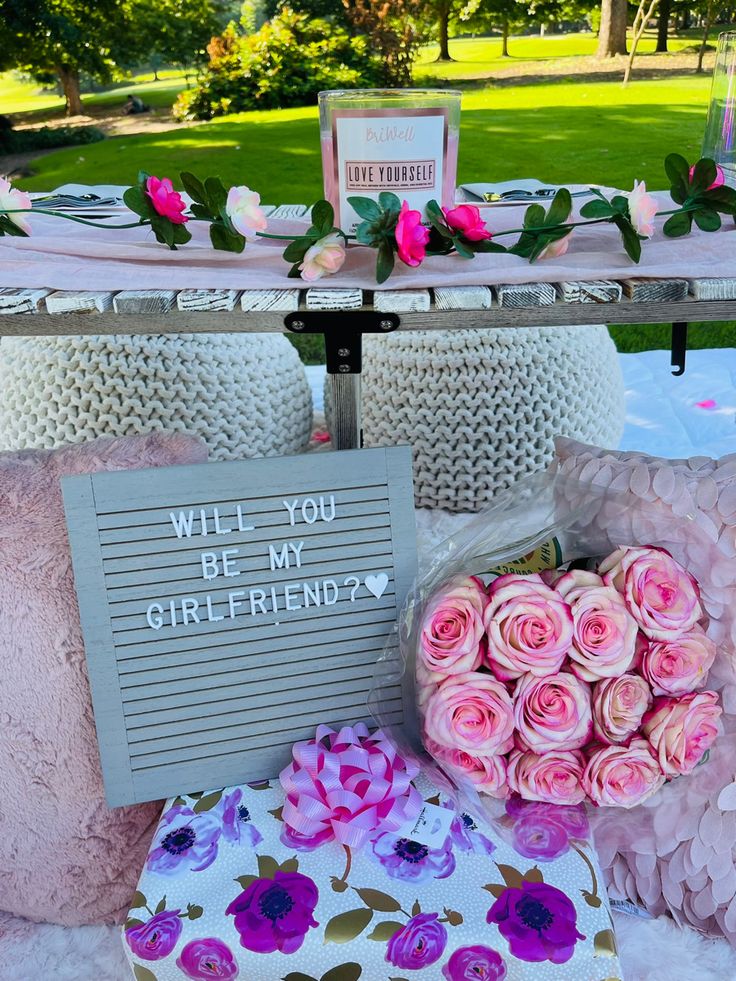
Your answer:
<point x="720" y="130"/>
<point x="400" y="140"/>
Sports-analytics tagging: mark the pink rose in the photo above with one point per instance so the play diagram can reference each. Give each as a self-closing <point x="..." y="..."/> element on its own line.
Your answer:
<point x="529" y="627"/>
<point x="466" y="219"/>
<point x="676" y="667"/>
<point x="604" y="633"/>
<point x="487" y="773"/>
<point x="453" y="631"/>
<point x="618" y="707"/>
<point x="552" y="713"/>
<point x="680" y="730"/>
<point x="553" y="778"/>
<point x="642" y="209"/>
<point x="718" y="182"/>
<point x="244" y="211"/>
<point x="566" y="582"/>
<point x="622" y="776"/>
<point x="473" y="712"/>
<point x="11" y="199"/>
<point x="661" y="596"/>
<point x="165" y="200"/>
<point x="411" y="236"/>
<point x="324" y="258"/>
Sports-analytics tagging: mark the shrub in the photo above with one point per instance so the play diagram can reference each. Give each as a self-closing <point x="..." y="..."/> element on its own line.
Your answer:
<point x="47" y="138"/>
<point x="286" y="63"/>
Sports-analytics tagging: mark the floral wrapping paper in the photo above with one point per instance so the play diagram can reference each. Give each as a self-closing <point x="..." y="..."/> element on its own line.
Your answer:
<point x="228" y="891"/>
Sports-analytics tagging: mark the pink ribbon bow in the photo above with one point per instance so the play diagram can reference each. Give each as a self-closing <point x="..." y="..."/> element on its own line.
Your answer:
<point x="348" y="785"/>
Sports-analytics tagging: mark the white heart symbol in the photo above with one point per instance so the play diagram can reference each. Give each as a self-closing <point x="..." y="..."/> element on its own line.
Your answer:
<point x="377" y="584"/>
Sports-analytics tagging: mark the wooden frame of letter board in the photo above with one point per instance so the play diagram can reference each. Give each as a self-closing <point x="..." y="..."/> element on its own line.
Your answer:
<point x="177" y="710"/>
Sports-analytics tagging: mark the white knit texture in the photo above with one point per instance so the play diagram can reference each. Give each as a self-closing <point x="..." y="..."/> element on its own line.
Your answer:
<point x="481" y="407"/>
<point x="245" y="395"/>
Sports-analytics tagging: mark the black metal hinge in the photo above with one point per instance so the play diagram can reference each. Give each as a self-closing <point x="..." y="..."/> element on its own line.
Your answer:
<point x="343" y="333"/>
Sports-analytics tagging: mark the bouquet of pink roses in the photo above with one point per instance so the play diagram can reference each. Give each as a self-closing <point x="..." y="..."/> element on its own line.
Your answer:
<point x="569" y="685"/>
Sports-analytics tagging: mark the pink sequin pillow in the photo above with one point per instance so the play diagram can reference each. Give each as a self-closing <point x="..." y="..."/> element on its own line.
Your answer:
<point x="679" y="858"/>
<point x="65" y="857"/>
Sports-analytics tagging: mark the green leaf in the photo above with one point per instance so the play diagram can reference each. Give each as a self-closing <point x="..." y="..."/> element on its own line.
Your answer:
<point x="201" y="211"/>
<point x="245" y="880"/>
<point x="142" y="973"/>
<point x="138" y="201"/>
<point x="210" y="800"/>
<point x="295" y="272"/>
<point x="534" y="216"/>
<point x="290" y="865"/>
<point x="677" y="169"/>
<point x="534" y="874"/>
<point x="416" y="908"/>
<point x="193" y="186"/>
<point x="630" y="237"/>
<point x="216" y="195"/>
<point x="163" y="230"/>
<point x="138" y="900"/>
<point x="384" y="931"/>
<point x="278" y="813"/>
<point x="463" y="250"/>
<point x="323" y="217"/>
<point x="620" y="204"/>
<point x="345" y="927"/>
<point x="296" y="250"/>
<point x="267" y="866"/>
<point x="8" y="227"/>
<point x="390" y="202"/>
<point x="384" y="261"/>
<point x="143" y="176"/>
<point x="181" y="234"/>
<point x="366" y="208"/>
<point x="678" y="224"/>
<point x="679" y="194"/>
<point x="704" y="174"/>
<point x="486" y="245"/>
<point x="495" y="889"/>
<point x="161" y="905"/>
<point x="381" y="902"/>
<point x="721" y="199"/>
<point x="132" y="922"/>
<point x="596" y="209"/>
<point x="707" y="220"/>
<point x="343" y="972"/>
<point x="225" y="240"/>
<point x="559" y="210"/>
<point x="511" y="876"/>
<point x="298" y="976"/>
<point x="195" y="912"/>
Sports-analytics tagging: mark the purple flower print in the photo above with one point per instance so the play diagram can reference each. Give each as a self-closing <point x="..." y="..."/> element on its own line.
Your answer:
<point x="465" y="835"/>
<point x="275" y="914"/>
<point x="538" y="921"/>
<point x="207" y="958"/>
<point x="420" y="943"/>
<point x="236" y="821"/>
<point x="305" y="843"/>
<point x="475" y="964"/>
<point x="542" y="831"/>
<point x="156" y="937"/>
<point x="413" y="861"/>
<point x="184" y="841"/>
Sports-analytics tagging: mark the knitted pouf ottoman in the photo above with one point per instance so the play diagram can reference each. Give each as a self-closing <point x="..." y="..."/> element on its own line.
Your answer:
<point x="245" y="395"/>
<point x="481" y="407"/>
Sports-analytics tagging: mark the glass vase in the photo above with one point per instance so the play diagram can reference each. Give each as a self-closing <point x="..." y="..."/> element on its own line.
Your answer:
<point x="720" y="130"/>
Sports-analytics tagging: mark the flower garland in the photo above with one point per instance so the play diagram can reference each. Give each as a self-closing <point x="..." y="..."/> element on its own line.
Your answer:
<point x="394" y="230"/>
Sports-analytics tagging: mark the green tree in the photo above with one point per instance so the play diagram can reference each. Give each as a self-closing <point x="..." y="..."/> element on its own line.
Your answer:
<point x="174" y="31"/>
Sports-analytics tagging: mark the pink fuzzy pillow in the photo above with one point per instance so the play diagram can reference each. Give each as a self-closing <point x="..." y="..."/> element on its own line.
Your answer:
<point x="65" y="857"/>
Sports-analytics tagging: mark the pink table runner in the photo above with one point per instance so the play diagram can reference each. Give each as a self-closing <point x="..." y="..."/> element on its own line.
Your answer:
<point x="65" y="256"/>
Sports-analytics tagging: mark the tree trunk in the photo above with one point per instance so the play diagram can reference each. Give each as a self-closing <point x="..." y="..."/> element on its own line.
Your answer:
<point x="663" y="25"/>
<point x="704" y="42"/>
<point x="643" y="16"/>
<point x="505" y="40"/>
<point x="69" y="78"/>
<point x="612" y="35"/>
<point x="444" y="32"/>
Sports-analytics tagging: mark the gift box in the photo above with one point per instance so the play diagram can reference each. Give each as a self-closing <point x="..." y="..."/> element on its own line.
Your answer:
<point x="229" y="890"/>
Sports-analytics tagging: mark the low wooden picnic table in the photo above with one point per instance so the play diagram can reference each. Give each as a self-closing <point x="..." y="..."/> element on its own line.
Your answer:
<point x="343" y="315"/>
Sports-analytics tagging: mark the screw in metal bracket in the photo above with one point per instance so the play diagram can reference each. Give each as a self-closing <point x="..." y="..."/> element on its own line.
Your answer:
<point x="386" y="324"/>
<point x="343" y="352"/>
<point x="343" y="369"/>
<point x="297" y="325"/>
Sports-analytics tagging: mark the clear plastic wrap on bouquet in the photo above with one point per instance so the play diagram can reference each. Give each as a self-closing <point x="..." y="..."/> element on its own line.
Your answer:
<point x="543" y="523"/>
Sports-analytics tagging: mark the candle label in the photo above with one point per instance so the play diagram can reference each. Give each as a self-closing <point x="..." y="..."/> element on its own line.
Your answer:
<point x="376" y="150"/>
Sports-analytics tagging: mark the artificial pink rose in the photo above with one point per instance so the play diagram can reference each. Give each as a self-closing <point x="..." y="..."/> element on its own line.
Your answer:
<point x="552" y="713"/>
<point x="660" y="595"/>
<point x="11" y="199"/>
<point x="642" y="209"/>
<point x="557" y="248"/>
<point x="244" y="211"/>
<point x="529" y="627"/>
<point x="487" y="773"/>
<point x="411" y="236"/>
<point x="466" y="219"/>
<point x="554" y="777"/>
<point x="676" y="667"/>
<point x="618" y="707"/>
<point x="680" y="730"/>
<point x="324" y="258"/>
<point x="604" y="632"/>
<point x="472" y="712"/>
<point x="718" y="182"/>
<point x="622" y="776"/>
<point x="452" y="639"/>
<point x="165" y="200"/>
<point x="566" y="582"/>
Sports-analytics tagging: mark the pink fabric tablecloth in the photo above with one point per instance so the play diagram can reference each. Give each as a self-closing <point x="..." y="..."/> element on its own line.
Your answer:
<point x="66" y="256"/>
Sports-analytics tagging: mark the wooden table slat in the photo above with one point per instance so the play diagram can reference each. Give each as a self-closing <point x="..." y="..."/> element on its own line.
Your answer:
<point x="21" y="300"/>
<point x="207" y="299"/>
<point x="462" y="298"/>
